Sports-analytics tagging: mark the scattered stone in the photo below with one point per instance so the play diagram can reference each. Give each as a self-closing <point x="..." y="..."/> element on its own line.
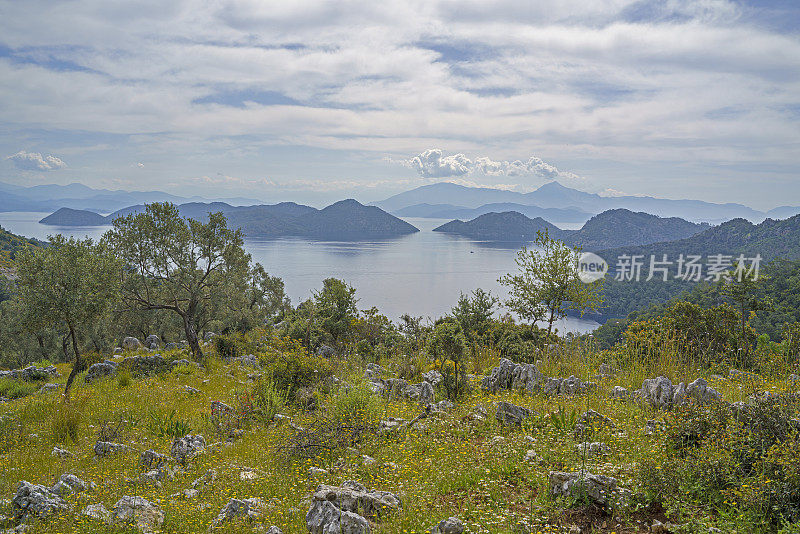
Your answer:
<point x="146" y="365"/>
<point x="422" y="393"/>
<point x="451" y="525"/>
<point x="151" y="458"/>
<point x="526" y="376"/>
<point x="190" y="390"/>
<point x="68" y="484"/>
<point x="510" y="414"/>
<point x="600" y="489"/>
<point x="187" y="447"/>
<point x="274" y="530"/>
<point x="354" y="497"/>
<point x="152" y="341"/>
<point x="442" y="406"/>
<point x="373" y="371"/>
<point x="100" y="370"/>
<point x="620" y="393"/>
<point x="325" y="518"/>
<point x="239" y="508"/>
<point x="368" y="460"/>
<point x="131" y="343"/>
<point x="433" y="377"/>
<point x="389" y="424"/>
<point x="315" y="472"/>
<point x="36" y="500"/>
<point x="49" y="388"/>
<point x="107" y="448"/>
<point x="325" y="351"/>
<point x="248" y="360"/>
<point x="31" y="373"/>
<point x="60" y="453"/>
<point x="140" y="512"/>
<point x="532" y="457"/>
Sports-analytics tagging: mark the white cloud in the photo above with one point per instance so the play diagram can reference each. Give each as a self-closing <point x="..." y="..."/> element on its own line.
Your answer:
<point x="433" y="163"/>
<point x="34" y="161"/>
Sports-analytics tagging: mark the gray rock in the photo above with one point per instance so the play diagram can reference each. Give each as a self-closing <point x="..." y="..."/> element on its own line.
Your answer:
<point x="239" y="508"/>
<point x="606" y="369"/>
<point x="510" y="414"/>
<point x="590" y="422"/>
<point x="451" y="525"/>
<point x="209" y="336"/>
<point x="68" y="484"/>
<point x="354" y="497"/>
<point x="31" y="373"/>
<point x="187" y="447"/>
<point x="434" y="377"/>
<point x="151" y="458"/>
<point x="100" y="370"/>
<point x="249" y="360"/>
<point x="36" y="500"/>
<point x="107" y="448"/>
<point x="131" y="343"/>
<point x="421" y="393"/>
<point x="373" y="371"/>
<point x="658" y="392"/>
<point x="274" y="530"/>
<point x="171" y="346"/>
<point x="140" y="512"/>
<point x="325" y="351"/>
<point x="442" y="406"/>
<point x="325" y="518"/>
<point x="146" y="365"/>
<point x="98" y="512"/>
<point x="600" y="489"/>
<point x="152" y="340"/>
<point x="60" y="453"/>
<point x="592" y="450"/>
<point x="49" y="388"/>
<point x="500" y="378"/>
<point x="620" y="393"/>
<point x="700" y="392"/>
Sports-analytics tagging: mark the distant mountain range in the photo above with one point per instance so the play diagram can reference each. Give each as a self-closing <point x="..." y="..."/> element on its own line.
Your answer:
<point x="612" y="228"/>
<point x="347" y="220"/>
<point x="448" y="211"/>
<point x="78" y="196"/>
<point x="446" y="196"/>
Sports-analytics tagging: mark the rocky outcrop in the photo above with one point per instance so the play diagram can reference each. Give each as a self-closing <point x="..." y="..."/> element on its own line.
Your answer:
<point x="325" y="518"/>
<point x="451" y="525"/>
<point x="187" y="447"/>
<point x="661" y="393"/>
<point x="239" y="508"/>
<point x="107" y="448"/>
<point x="31" y="373"/>
<point x="35" y="500"/>
<point x="139" y="512"/>
<point x="68" y="484"/>
<point x="527" y="377"/>
<point x="397" y="387"/>
<point x="354" y="497"/>
<point x="131" y="343"/>
<point x="152" y="342"/>
<point x="598" y="488"/>
<point x="510" y="414"/>
<point x="100" y="370"/>
<point x="146" y="365"/>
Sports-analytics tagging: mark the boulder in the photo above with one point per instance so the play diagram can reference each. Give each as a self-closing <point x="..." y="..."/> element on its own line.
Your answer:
<point x="146" y="365"/>
<point x="598" y="488"/>
<point x="433" y="377"/>
<point x="373" y="371"/>
<point x="36" y="500"/>
<point x="151" y="459"/>
<point x="138" y="511"/>
<point x="421" y="393"/>
<point x="700" y="392"/>
<point x="60" y="453"/>
<point x="451" y="525"/>
<point x="239" y="508"/>
<point x="325" y="351"/>
<point x="185" y="448"/>
<point x="100" y="370"/>
<point x="49" y="388"/>
<point x="658" y="392"/>
<point x="354" y="497"/>
<point x="131" y="343"/>
<point x="325" y="518"/>
<point x="500" y="378"/>
<point x="620" y="393"/>
<point x="69" y="484"/>
<point x="510" y="414"/>
<point x="152" y="341"/>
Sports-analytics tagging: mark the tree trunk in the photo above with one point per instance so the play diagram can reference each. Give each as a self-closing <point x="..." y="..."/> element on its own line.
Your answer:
<point x="191" y="338"/>
<point x="77" y="366"/>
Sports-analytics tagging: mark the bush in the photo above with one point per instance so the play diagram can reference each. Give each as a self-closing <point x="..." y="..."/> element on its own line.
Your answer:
<point x="67" y="421"/>
<point x="124" y="378"/>
<point x="355" y="404"/>
<point x="230" y="345"/>
<point x="163" y="424"/>
<point x="295" y="370"/>
<point x="267" y="400"/>
<point x="15" y="389"/>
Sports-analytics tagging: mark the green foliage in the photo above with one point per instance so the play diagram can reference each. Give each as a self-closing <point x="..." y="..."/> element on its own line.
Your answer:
<point x="547" y="283"/>
<point x="124" y="378"/>
<point x="230" y="345"/>
<point x="194" y="270"/>
<point x="66" y="421"/>
<point x="15" y="389"/>
<point x="356" y="404"/>
<point x="564" y="421"/>
<point x="474" y="314"/>
<point x="267" y="399"/>
<point x="293" y="369"/>
<point x="167" y="424"/>
<point x="334" y="309"/>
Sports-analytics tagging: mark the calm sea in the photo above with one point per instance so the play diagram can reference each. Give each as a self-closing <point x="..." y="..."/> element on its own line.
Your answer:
<point x="421" y="274"/>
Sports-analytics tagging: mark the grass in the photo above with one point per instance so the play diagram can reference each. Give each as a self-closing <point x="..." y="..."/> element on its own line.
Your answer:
<point x="449" y="465"/>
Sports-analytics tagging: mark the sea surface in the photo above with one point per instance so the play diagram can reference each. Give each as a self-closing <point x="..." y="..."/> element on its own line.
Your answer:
<point x="421" y="274"/>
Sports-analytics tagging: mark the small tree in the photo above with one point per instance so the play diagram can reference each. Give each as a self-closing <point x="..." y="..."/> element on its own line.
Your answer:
<point x="71" y="283"/>
<point x="448" y="343"/>
<point x="179" y="265"/>
<point x="742" y="288"/>
<point x="547" y="284"/>
<point x="474" y="313"/>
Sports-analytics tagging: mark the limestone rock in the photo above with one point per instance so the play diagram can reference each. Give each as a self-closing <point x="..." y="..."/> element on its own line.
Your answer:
<point x="187" y="447"/>
<point x="36" y="500"/>
<point x="510" y="414"/>
<point x="138" y="511"/>
<point x="451" y="525"/>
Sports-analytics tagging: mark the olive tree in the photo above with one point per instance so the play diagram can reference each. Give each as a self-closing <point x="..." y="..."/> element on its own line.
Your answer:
<point x="547" y="284"/>
<point x="179" y="265"/>
<point x="69" y="284"/>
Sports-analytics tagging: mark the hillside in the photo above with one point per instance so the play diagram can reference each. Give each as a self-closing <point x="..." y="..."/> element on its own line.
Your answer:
<point x="612" y="228"/>
<point x="347" y="220"/>
<point x="10" y="245"/>
<point x="507" y="226"/>
<point x="71" y="217"/>
<point x="555" y="195"/>
<point x="770" y="239"/>
<point x="445" y="211"/>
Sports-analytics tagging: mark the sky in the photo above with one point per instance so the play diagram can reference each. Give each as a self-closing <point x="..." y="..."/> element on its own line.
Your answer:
<point x="317" y="101"/>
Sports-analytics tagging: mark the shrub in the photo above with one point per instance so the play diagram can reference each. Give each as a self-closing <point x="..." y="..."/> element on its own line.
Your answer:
<point x="163" y="424"/>
<point x="454" y="383"/>
<point x="267" y="400"/>
<point x="355" y="404"/>
<point x="230" y="345"/>
<point x="66" y="422"/>
<point x="15" y="389"/>
<point x="295" y="370"/>
<point x="124" y="378"/>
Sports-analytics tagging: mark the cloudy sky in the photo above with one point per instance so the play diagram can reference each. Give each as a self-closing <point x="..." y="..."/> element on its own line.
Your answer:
<point x="315" y="101"/>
